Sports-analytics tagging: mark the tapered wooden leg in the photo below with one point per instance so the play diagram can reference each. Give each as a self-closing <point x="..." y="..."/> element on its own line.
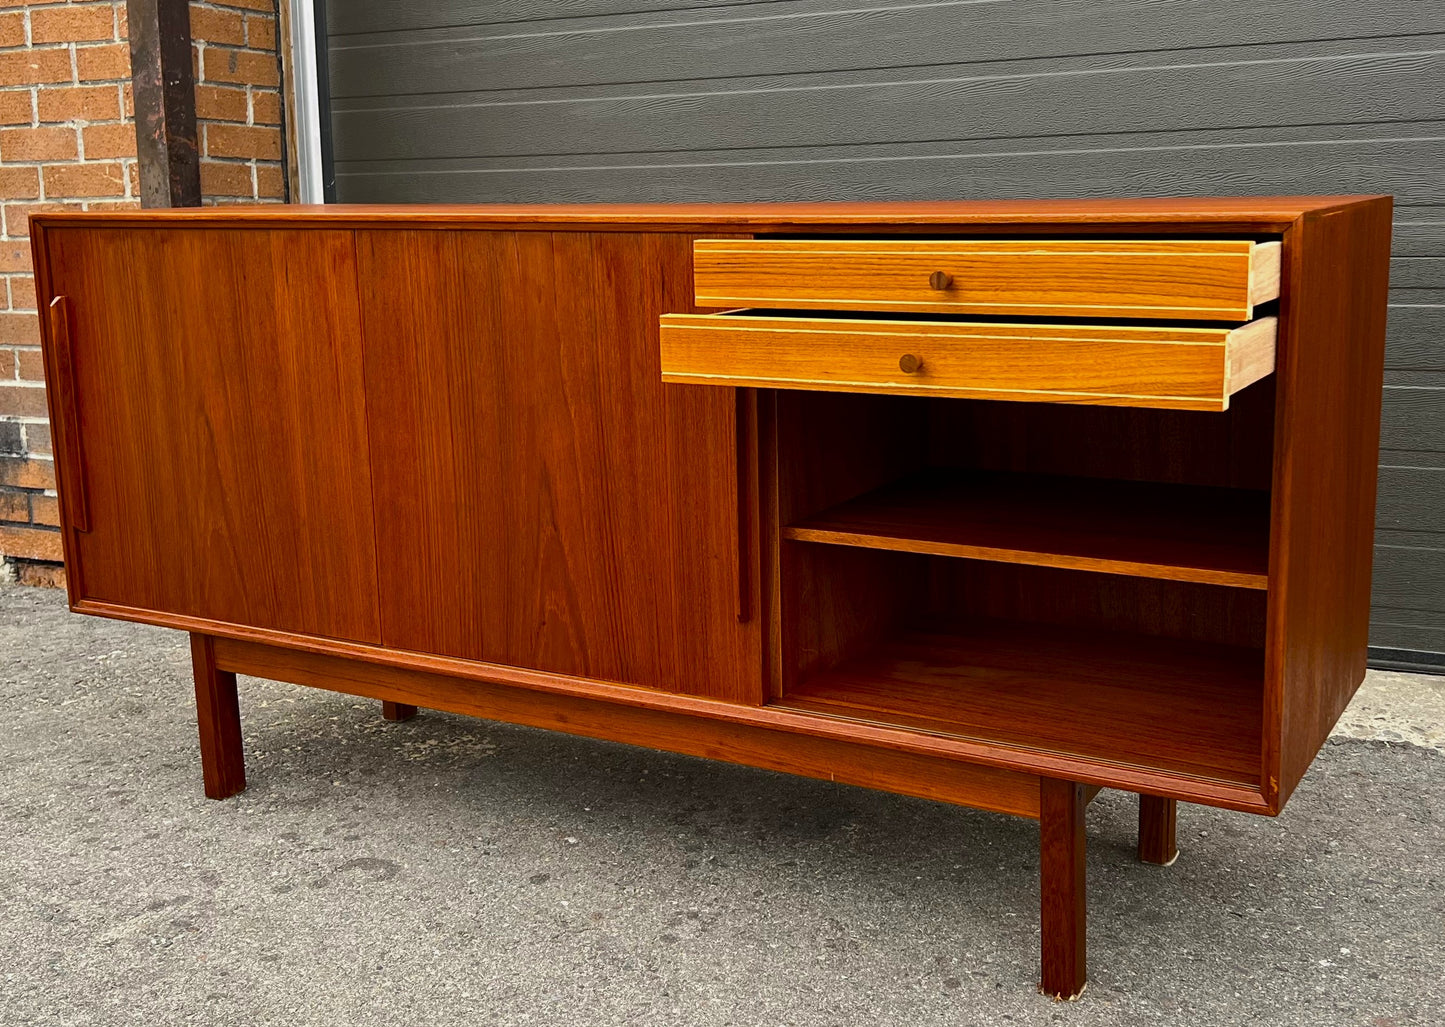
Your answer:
<point x="1156" y="830"/>
<point x="1061" y="849"/>
<point x="218" y="712"/>
<point x="397" y="711"/>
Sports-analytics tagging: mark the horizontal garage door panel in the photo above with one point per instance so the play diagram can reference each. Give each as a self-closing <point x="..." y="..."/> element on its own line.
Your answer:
<point x="1408" y="578"/>
<point x="1417" y="631"/>
<point x="1412" y="500"/>
<point x="1211" y="90"/>
<point x="349" y="16"/>
<point x="1231" y="163"/>
<point x="1061" y="26"/>
<point x="1417" y="272"/>
<point x="1419" y="235"/>
<point x="1413" y="420"/>
<point x="793" y="39"/>
<point x="1415" y="337"/>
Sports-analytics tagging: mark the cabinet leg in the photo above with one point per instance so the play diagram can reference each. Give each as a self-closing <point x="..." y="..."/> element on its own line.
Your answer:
<point x="1064" y="908"/>
<point x="218" y="713"/>
<point x="1156" y="830"/>
<point x="397" y="711"/>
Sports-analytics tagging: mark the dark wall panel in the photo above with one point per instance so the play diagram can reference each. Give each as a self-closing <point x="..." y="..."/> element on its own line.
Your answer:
<point x="718" y="42"/>
<point x="686" y="100"/>
<point x="1415" y="337"/>
<point x="1144" y="164"/>
<point x="1412" y="500"/>
<point x="1206" y="90"/>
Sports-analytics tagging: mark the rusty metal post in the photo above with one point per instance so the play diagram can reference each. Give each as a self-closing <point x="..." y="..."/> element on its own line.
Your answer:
<point x="164" y="86"/>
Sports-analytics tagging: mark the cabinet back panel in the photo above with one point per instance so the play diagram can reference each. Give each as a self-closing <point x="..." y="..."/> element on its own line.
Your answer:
<point x="833" y="446"/>
<point x="217" y="374"/>
<point x="1231" y="448"/>
<point x="1108" y="602"/>
<point x="839" y="602"/>
<point x="543" y="500"/>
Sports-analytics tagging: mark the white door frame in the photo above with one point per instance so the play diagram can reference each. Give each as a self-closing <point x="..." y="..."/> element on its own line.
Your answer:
<point x="307" y="102"/>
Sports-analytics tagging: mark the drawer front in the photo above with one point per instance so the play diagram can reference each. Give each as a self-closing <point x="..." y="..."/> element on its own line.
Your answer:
<point x="1214" y="280"/>
<point x="1184" y="368"/>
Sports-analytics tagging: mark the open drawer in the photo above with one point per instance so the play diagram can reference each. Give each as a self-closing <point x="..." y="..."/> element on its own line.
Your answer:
<point x="1179" y="279"/>
<point x="1185" y="368"/>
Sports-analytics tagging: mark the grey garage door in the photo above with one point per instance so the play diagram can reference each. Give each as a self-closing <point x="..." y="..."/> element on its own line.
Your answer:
<point x="635" y="100"/>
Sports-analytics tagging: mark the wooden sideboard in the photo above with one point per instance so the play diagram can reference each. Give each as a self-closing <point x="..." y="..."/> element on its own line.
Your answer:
<point x="990" y="503"/>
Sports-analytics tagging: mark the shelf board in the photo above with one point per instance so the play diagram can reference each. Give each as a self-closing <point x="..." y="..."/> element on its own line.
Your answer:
<point x="1197" y="533"/>
<point x="1178" y="707"/>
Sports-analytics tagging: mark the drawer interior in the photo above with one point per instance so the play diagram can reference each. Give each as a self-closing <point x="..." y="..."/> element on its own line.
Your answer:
<point x="1081" y="582"/>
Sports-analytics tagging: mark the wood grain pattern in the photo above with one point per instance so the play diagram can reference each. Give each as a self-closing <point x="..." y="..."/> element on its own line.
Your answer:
<point x="1214" y="280"/>
<point x="1230" y="449"/>
<point x="840" y="603"/>
<point x="1156" y="367"/>
<point x="1062" y="888"/>
<point x="757" y="745"/>
<point x="748" y="488"/>
<point x="1331" y="358"/>
<point x="1182" y="533"/>
<point x="1250" y="354"/>
<point x="1229" y="795"/>
<point x="826" y="449"/>
<point x="1110" y="603"/>
<point x="1157" y="821"/>
<point x="1264" y="271"/>
<point x="1225" y="215"/>
<point x="832" y="446"/>
<point x="397" y="712"/>
<point x="218" y="716"/>
<point x="60" y="380"/>
<point x="1190" y="709"/>
<point x="218" y="387"/>
<point x="543" y="500"/>
<point x="463" y="387"/>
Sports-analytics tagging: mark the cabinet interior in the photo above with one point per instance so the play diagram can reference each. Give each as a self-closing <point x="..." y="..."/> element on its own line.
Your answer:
<point x="1077" y="580"/>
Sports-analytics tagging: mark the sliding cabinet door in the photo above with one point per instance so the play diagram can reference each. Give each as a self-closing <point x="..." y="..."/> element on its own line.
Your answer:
<point x="208" y="385"/>
<point x="543" y="500"/>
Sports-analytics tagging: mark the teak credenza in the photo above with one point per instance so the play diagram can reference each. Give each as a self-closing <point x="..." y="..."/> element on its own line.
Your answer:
<point x="990" y="503"/>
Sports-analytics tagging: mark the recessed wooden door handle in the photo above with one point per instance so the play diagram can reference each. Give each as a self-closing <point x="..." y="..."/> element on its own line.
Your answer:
<point x="910" y="363"/>
<point x="746" y="410"/>
<point x="940" y="280"/>
<point x="73" y="497"/>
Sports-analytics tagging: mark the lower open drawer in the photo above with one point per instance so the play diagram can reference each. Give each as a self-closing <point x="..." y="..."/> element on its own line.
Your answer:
<point x="1190" y="368"/>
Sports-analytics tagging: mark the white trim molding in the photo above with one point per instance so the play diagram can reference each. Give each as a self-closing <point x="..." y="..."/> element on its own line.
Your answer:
<point x="307" y="102"/>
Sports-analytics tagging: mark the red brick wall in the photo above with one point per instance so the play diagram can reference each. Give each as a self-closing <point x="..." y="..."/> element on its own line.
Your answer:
<point x="67" y="141"/>
<point x="238" y="101"/>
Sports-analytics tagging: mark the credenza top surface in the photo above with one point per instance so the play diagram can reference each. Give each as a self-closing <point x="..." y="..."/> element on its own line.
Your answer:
<point x="1261" y="212"/>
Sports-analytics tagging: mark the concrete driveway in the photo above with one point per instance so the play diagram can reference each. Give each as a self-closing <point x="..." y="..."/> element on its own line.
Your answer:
<point x="454" y="871"/>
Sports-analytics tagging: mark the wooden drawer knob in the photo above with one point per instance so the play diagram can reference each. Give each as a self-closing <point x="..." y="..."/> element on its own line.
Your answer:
<point x="910" y="364"/>
<point x="940" y="280"/>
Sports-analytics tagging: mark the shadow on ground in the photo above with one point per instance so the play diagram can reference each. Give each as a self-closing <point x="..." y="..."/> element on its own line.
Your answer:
<point x="454" y="871"/>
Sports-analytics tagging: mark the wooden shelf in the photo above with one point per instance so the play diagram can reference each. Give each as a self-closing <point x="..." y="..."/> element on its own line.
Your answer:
<point x="1180" y="707"/>
<point x="1180" y="532"/>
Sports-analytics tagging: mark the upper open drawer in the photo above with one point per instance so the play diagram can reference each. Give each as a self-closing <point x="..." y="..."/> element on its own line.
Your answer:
<point x="1187" y="279"/>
